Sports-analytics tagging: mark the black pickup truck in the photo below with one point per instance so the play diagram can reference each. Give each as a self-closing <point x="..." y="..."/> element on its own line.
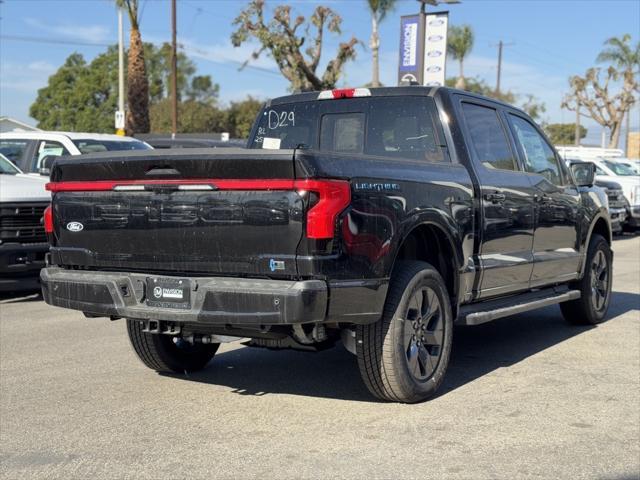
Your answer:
<point x="375" y="217"/>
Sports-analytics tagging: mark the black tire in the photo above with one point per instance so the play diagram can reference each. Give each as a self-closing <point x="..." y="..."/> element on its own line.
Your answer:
<point x="160" y="353"/>
<point x="595" y="286"/>
<point x="403" y="356"/>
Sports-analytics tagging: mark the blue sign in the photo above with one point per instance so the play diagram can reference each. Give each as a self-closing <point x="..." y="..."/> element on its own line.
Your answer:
<point x="409" y="35"/>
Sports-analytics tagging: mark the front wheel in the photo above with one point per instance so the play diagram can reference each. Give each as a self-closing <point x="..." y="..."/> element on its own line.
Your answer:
<point x="595" y="286"/>
<point x="403" y="356"/>
<point x="162" y="354"/>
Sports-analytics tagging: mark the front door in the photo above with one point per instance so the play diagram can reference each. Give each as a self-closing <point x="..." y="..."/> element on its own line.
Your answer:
<point x="507" y="208"/>
<point x="556" y="252"/>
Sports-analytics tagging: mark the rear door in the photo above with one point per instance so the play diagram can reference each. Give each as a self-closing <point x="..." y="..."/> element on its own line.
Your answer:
<point x="506" y="200"/>
<point x="556" y="247"/>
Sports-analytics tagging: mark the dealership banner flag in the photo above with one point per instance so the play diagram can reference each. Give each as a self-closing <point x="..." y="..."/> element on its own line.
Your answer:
<point x="410" y="62"/>
<point x="435" y="49"/>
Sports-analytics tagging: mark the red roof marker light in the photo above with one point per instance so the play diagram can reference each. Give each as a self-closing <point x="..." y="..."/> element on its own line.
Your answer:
<point x="338" y="93"/>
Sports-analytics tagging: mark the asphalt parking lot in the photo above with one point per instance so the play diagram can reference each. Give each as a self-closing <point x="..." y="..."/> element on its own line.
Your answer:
<point x="525" y="397"/>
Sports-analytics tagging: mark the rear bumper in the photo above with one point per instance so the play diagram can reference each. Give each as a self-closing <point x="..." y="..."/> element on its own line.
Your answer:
<point x="214" y="300"/>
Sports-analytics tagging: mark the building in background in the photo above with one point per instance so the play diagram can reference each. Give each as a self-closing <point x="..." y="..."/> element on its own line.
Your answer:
<point x="8" y="124"/>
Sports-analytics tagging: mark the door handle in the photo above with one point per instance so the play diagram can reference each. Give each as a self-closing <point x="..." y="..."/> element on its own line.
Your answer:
<point x="495" y="197"/>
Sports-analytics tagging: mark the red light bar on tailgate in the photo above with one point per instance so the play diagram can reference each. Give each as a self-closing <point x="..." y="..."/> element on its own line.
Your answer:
<point x="333" y="195"/>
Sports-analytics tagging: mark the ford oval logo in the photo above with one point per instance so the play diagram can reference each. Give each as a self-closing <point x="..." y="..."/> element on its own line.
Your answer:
<point x="75" y="226"/>
<point x="434" y="53"/>
<point x="436" y="22"/>
<point x="433" y="69"/>
<point x="435" y="38"/>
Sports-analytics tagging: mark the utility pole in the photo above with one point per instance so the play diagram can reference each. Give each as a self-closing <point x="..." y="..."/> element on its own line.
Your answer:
<point x="174" y="72"/>
<point x="501" y="45"/>
<point x="577" y="134"/>
<point x="120" y="113"/>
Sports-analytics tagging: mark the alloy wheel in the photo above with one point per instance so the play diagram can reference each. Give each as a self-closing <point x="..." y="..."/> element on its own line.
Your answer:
<point x="599" y="281"/>
<point x="423" y="333"/>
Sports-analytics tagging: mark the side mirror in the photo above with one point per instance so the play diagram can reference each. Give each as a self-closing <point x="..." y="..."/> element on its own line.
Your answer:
<point x="46" y="163"/>
<point x="584" y="173"/>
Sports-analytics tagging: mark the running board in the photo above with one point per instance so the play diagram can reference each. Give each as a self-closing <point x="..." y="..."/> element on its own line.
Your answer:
<point x="483" y="312"/>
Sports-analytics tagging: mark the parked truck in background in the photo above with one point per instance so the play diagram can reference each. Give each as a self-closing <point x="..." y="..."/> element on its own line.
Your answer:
<point x="23" y="243"/>
<point x="375" y="217"/>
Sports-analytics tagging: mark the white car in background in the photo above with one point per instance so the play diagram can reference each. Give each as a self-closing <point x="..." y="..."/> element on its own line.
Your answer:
<point x="618" y="170"/>
<point x="28" y="150"/>
<point x="23" y="242"/>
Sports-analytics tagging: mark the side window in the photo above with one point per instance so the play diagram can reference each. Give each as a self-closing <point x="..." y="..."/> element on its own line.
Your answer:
<point x="600" y="171"/>
<point x="488" y="138"/>
<point x="13" y="149"/>
<point x="538" y="155"/>
<point x="48" y="147"/>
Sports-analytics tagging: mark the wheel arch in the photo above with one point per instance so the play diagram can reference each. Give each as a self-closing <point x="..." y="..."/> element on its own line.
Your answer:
<point x="601" y="226"/>
<point x="432" y="243"/>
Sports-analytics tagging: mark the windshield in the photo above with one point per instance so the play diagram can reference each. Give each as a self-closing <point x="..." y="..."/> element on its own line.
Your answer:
<point x="621" y="169"/>
<point x="7" y="167"/>
<point x="93" y="146"/>
<point x="397" y="127"/>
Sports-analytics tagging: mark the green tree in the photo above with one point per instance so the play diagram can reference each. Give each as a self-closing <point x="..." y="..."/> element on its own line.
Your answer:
<point x="158" y="60"/>
<point x="563" y="133"/>
<point x="241" y="115"/>
<point x="137" y="81"/>
<point x="202" y="89"/>
<point x="195" y="117"/>
<point x="378" y="10"/>
<point x="80" y="96"/>
<point x="282" y="40"/>
<point x="83" y="97"/>
<point x="459" y="45"/>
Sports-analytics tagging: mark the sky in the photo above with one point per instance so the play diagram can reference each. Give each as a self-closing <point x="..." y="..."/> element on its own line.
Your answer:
<point x="549" y="40"/>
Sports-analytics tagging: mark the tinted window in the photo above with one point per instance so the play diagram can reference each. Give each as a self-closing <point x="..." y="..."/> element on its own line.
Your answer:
<point x="342" y="132"/>
<point x="488" y="137"/>
<point x="91" y="146"/>
<point x="402" y="127"/>
<point x="538" y="155"/>
<point x="13" y="149"/>
<point x="287" y="126"/>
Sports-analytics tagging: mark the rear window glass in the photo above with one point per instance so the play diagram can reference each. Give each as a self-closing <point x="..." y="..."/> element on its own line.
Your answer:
<point x="399" y="127"/>
<point x="94" y="146"/>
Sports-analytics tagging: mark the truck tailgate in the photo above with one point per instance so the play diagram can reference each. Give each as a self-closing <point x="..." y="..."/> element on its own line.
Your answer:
<point x="201" y="211"/>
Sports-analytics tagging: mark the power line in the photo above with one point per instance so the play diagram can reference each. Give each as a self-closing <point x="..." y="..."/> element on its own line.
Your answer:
<point x="22" y="38"/>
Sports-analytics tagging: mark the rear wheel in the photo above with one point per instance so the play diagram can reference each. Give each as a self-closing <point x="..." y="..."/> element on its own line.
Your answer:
<point x="164" y="354"/>
<point x="595" y="286"/>
<point x="403" y="356"/>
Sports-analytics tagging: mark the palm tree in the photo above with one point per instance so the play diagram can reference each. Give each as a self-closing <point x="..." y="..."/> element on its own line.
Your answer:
<point x="459" y="45"/>
<point x="379" y="10"/>
<point x="137" y="81"/>
<point x="621" y="53"/>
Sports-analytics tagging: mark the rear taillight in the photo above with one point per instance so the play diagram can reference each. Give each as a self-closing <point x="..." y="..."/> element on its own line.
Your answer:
<point x="333" y="197"/>
<point x="48" y="220"/>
